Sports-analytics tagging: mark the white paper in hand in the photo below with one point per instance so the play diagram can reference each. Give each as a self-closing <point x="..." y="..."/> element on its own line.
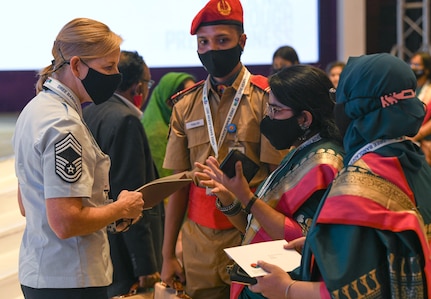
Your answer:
<point x="246" y="256"/>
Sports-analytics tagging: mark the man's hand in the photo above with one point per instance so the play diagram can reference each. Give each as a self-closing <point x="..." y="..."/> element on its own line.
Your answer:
<point x="172" y="271"/>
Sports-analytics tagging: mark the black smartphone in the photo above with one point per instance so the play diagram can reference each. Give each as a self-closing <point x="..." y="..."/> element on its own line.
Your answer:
<point x="237" y="274"/>
<point x="249" y="167"/>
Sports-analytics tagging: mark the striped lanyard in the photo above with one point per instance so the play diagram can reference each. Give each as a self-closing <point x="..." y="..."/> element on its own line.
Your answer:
<point x="64" y="92"/>
<point x="372" y="146"/>
<point x="232" y="110"/>
<point x="268" y="181"/>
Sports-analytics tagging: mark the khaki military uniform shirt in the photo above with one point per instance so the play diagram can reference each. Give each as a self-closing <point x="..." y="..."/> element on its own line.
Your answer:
<point x="189" y="139"/>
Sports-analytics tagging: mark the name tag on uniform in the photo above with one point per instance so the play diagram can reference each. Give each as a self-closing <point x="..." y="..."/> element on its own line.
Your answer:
<point x="194" y="124"/>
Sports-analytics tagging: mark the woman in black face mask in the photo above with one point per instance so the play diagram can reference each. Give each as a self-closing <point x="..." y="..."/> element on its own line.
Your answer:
<point x="299" y="116"/>
<point x="300" y="105"/>
<point x="63" y="176"/>
<point x="420" y="63"/>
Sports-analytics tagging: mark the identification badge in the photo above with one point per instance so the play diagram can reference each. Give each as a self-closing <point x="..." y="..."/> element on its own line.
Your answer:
<point x="194" y="124"/>
<point x="237" y="147"/>
<point x="208" y="191"/>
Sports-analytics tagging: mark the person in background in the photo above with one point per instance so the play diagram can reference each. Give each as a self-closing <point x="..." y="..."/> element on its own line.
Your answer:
<point x="420" y="63"/>
<point x="156" y="119"/>
<point x="63" y="180"/>
<point x="333" y="70"/>
<point x="158" y="113"/>
<point x="300" y="115"/>
<point x="284" y="56"/>
<point x="216" y="115"/>
<point x="116" y="126"/>
<point x="377" y="243"/>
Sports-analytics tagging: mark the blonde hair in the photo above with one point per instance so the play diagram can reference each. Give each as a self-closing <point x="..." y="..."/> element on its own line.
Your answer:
<point x="81" y="37"/>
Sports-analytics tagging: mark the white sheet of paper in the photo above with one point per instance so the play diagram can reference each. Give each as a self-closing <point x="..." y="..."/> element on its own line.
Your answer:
<point x="270" y="252"/>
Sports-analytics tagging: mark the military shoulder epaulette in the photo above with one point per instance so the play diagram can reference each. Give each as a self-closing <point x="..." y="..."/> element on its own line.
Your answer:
<point x="176" y="97"/>
<point x="260" y="81"/>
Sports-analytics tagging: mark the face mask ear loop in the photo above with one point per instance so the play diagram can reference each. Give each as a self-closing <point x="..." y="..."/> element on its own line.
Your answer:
<point x="54" y="69"/>
<point x="138" y="89"/>
<point x="82" y="60"/>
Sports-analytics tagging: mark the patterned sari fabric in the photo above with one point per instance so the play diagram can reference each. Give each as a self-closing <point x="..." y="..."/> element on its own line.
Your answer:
<point x="356" y="253"/>
<point x="295" y="189"/>
<point x="371" y="235"/>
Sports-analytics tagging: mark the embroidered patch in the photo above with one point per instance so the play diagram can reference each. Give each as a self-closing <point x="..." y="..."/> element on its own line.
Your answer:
<point x="68" y="159"/>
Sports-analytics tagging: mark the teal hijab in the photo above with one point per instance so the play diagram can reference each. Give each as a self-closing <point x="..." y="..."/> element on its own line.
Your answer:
<point x="377" y="92"/>
<point x="157" y="115"/>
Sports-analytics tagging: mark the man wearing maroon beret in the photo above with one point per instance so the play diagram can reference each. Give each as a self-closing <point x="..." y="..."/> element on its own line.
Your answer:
<point x="217" y="115"/>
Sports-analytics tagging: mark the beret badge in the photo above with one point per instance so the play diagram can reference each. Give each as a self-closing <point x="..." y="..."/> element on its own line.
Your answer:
<point x="224" y="8"/>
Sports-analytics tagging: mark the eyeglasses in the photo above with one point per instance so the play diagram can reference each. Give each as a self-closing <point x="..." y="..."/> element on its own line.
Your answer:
<point x="416" y="65"/>
<point x="150" y="83"/>
<point x="272" y="110"/>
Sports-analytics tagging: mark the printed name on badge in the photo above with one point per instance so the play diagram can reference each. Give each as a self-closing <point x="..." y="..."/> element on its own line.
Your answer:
<point x="194" y="124"/>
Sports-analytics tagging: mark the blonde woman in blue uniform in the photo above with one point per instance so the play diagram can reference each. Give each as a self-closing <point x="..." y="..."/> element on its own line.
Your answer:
<point x="63" y="174"/>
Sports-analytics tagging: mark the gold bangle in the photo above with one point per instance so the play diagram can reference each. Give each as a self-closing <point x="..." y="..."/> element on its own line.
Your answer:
<point x="286" y="293"/>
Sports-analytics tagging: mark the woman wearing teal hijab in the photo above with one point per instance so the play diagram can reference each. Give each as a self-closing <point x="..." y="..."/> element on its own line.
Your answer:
<point x="158" y="113"/>
<point x="370" y="238"/>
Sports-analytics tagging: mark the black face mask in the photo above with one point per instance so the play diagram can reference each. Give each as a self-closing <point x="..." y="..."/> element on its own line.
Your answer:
<point x="418" y="73"/>
<point x="281" y="133"/>
<point x="100" y="87"/>
<point x="220" y="63"/>
<point x="341" y="119"/>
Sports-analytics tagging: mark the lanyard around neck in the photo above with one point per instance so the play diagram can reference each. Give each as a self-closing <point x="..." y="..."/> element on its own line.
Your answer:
<point x="64" y="92"/>
<point x="372" y="146"/>
<point x="232" y="110"/>
<point x="72" y="100"/>
<point x="268" y="181"/>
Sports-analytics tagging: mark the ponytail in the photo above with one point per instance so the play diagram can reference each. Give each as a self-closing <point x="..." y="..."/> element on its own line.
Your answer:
<point x="43" y="75"/>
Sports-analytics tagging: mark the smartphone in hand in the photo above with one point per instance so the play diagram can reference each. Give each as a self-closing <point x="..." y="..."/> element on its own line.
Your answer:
<point x="249" y="167"/>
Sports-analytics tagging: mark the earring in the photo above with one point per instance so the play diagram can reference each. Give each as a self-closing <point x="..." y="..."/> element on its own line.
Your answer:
<point x="304" y="127"/>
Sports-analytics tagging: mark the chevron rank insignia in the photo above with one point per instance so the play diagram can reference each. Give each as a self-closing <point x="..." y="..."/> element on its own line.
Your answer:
<point x="68" y="159"/>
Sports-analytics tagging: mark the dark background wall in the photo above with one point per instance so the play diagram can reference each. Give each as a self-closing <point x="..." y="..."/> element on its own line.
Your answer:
<point x="17" y="87"/>
<point x="381" y="34"/>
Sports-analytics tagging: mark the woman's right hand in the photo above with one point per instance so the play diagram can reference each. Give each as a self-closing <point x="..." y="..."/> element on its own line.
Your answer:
<point x="225" y="196"/>
<point x="273" y="284"/>
<point x="238" y="184"/>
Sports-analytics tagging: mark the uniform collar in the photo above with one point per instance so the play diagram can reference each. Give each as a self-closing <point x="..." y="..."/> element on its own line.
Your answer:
<point x="235" y="83"/>
<point x="138" y="113"/>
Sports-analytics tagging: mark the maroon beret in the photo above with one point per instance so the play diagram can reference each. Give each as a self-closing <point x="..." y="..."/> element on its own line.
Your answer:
<point x="218" y="12"/>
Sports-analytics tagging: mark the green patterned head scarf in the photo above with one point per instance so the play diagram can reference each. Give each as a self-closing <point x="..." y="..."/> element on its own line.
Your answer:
<point x="158" y="113"/>
<point x="378" y="95"/>
<point x="167" y="86"/>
